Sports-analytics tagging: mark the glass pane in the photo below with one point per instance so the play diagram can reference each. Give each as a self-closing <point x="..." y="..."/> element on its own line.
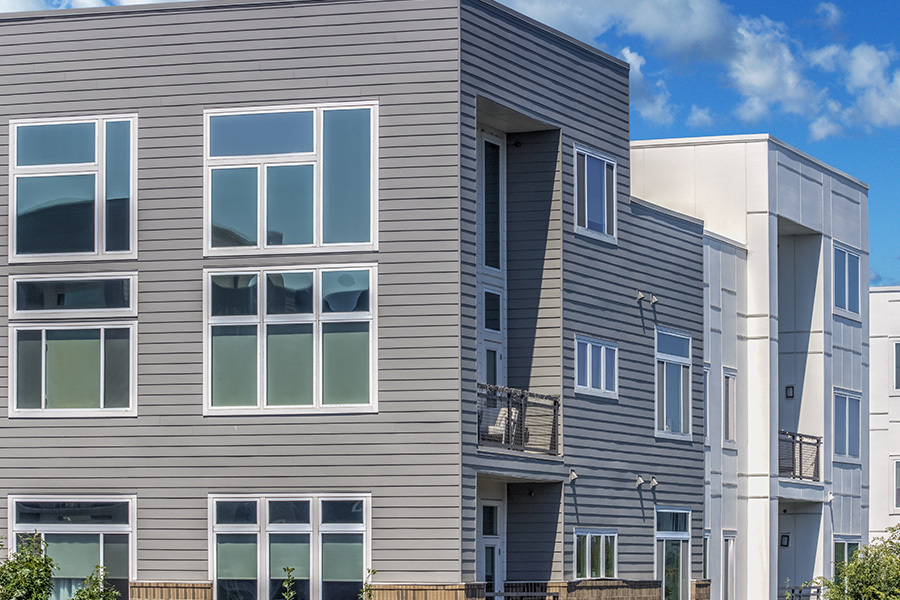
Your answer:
<point x="660" y="395"/>
<point x="839" y="552"/>
<point x="581" y="361"/>
<point x="73" y="368"/>
<point x="840" y="278"/>
<point x="897" y="366"/>
<point x="853" y="427"/>
<point x="610" y="369"/>
<point x="234" y="208"/>
<point x="289" y="365"/>
<point x="672" y="521"/>
<point x="345" y="363"/>
<point x="117" y="369"/>
<point x="673" y="345"/>
<point x="76" y="554"/>
<point x="596" y="194"/>
<point x="897" y="484"/>
<point x="72" y="294"/>
<point x="726" y="408"/>
<point x="490" y="568"/>
<point x="853" y="283"/>
<point x="852" y="547"/>
<point x="673" y="398"/>
<point x="115" y="555"/>
<point x="28" y="369"/>
<point x="342" y="511"/>
<point x="235" y="512"/>
<point x="610" y="198"/>
<point x="289" y="511"/>
<point x="72" y="513"/>
<point x="581" y="556"/>
<point x="347" y="175"/>
<point x="232" y="295"/>
<point x="609" y="568"/>
<point x="265" y="133"/>
<point x="490" y="374"/>
<point x="342" y="565"/>
<point x="840" y="424"/>
<point x="55" y="214"/>
<point x="726" y="570"/>
<point x="289" y="293"/>
<point x="345" y="291"/>
<point x="580" y="193"/>
<point x="597" y="367"/>
<point x="493" y="208"/>
<point x="672" y="577"/>
<point x="289" y="550"/>
<point x="236" y="566"/>
<point x="489" y="520"/>
<point x="118" y="185"/>
<point x="596" y="556"/>
<point x="289" y="204"/>
<point x="685" y="399"/>
<point x="492" y="311"/>
<point x="62" y="144"/>
<point x="234" y="365"/>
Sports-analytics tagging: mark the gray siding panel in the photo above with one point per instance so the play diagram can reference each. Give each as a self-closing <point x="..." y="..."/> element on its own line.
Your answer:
<point x="168" y="64"/>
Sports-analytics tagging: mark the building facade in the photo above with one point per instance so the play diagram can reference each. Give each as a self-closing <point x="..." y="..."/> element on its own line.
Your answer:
<point x="787" y="354"/>
<point x="341" y="286"/>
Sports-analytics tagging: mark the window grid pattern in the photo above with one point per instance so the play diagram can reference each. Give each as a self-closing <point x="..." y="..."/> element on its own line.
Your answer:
<point x="595" y="554"/>
<point x="846" y="280"/>
<point x="846" y="425"/>
<point x="595" y="193"/>
<point x="596" y="367"/>
<point x="673" y="382"/>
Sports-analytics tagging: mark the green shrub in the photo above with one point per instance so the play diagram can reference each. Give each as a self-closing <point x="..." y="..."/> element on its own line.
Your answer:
<point x="96" y="587"/>
<point x="27" y="574"/>
<point x="873" y="573"/>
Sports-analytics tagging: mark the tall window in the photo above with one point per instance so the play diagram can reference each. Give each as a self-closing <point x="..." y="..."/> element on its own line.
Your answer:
<point x="73" y="188"/>
<point x="291" y="339"/>
<point x="672" y="555"/>
<point x="897" y="484"/>
<point x="846" y="280"/>
<point x="596" y="367"/>
<point x="846" y="425"/>
<point x="494" y="198"/>
<point x="728" y="406"/>
<point x="80" y="533"/>
<point x="728" y="568"/>
<point x="64" y="360"/>
<point x="844" y="552"/>
<point x="291" y="179"/>
<point x="324" y="539"/>
<point x="595" y="193"/>
<point x="673" y="382"/>
<point x="897" y="365"/>
<point x="595" y="553"/>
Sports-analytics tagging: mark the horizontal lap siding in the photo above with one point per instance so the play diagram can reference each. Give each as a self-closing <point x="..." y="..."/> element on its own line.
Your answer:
<point x="168" y="65"/>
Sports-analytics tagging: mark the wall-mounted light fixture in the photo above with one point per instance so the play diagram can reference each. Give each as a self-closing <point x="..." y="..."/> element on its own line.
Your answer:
<point x="572" y="475"/>
<point x="789" y="391"/>
<point x="653" y="299"/>
<point x="785" y="540"/>
<point x="639" y="295"/>
<point x="653" y="482"/>
<point x="639" y="482"/>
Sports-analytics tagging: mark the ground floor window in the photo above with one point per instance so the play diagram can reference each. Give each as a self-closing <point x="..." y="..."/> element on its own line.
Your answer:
<point x="672" y="552"/>
<point x="844" y="551"/>
<point x="80" y="535"/>
<point x="595" y="553"/>
<point x="323" y="538"/>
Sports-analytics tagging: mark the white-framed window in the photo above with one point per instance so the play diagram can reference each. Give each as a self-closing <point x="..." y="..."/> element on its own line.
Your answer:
<point x="291" y="178"/>
<point x="492" y="203"/>
<point x="673" y="382"/>
<point x="896" y="369"/>
<point x="844" y="550"/>
<point x="596" y="367"/>
<point x="73" y="188"/>
<point x="595" y="194"/>
<point x="729" y="385"/>
<point x="706" y="418"/>
<point x="704" y="574"/>
<point x="846" y="279"/>
<point x="324" y="538"/>
<point x="291" y="339"/>
<point x="595" y="553"/>
<point x="81" y="532"/>
<point x="62" y="296"/>
<point x="846" y="424"/>
<point x="673" y="538"/>
<point x="728" y="587"/>
<point x="896" y="499"/>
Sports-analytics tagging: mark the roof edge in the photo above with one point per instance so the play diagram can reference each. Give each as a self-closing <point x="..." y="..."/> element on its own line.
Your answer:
<point x="666" y="211"/>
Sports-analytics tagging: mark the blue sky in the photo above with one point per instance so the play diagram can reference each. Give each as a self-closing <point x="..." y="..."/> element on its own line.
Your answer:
<point x="822" y="76"/>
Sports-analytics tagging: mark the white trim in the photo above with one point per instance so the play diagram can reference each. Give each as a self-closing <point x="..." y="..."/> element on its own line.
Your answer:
<point x="499" y="541"/>
<point x="604" y="236"/>
<point x="895" y="362"/>
<point x="893" y="503"/>
<point x="131" y="411"/>
<point x="313" y="158"/>
<point x="686" y="420"/>
<point x="96" y="168"/>
<point x="590" y="390"/>
<point x="316" y="319"/>
<point x="131" y="311"/>
<point x="595" y="532"/>
<point x="846" y="312"/>
<point x="731" y="402"/>
<point x="130" y="528"/>
<point x="671" y="535"/>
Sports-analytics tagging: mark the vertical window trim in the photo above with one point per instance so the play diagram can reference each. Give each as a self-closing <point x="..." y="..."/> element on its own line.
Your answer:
<point x="498" y="139"/>
<point x="588" y="390"/>
<point x="848" y="251"/>
<point x="729" y="426"/>
<point x="730" y="569"/>
<point x="96" y="168"/>
<point x="603" y="533"/>
<point x="849" y="395"/>
<point x="261" y="161"/>
<point x="611" y="196"/>
<point x="895" y="496"/>
<point x="895" y="366"/>
<point x="131" y="311"/>
<point x="659" y="403"/>
<point x="317" y="319"/>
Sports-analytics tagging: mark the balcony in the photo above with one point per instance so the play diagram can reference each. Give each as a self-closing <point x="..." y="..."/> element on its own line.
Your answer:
<point x="798" y="456"/>
<point x="517" y="420"/>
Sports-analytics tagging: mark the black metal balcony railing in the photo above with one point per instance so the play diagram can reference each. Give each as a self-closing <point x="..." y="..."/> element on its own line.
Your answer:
<point x="517" y="419"/>
<point x="798" y="456"/>
<point x="809" y="592"/>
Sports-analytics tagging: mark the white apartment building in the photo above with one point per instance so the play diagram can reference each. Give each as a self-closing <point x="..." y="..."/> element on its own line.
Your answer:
<point x="786" y="351"/>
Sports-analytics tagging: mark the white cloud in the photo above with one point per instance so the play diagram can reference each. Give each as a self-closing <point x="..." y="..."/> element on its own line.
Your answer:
<point x="829" y="14"/>
<point x="21" y="5"/>
<point x="866" y="66"/>
<point x="700" y="117"/>
<point x="650" y="99"/>
<point x="822" y="128"/>
<point x="826" y="58"/>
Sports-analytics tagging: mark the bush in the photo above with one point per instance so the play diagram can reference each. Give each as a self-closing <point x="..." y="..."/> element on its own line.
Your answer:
<point x="873" y="573"/>
<point x="96" y="587"/>
<point x="27" y="574"/>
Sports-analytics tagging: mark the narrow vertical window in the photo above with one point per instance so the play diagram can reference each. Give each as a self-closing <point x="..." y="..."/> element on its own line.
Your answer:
<point x="897" y="484"/>
<point x="673" y="382"/>
<point x="728" y="406"/>
<point x="847" y="426"/>
<point x="846" y="280"/>
<point x="493" y="207"/>
<point x="596" y="367"/>
<point x="595" y="193"/>
<point x="672" y="559"/>
<point x="897" y="365"/>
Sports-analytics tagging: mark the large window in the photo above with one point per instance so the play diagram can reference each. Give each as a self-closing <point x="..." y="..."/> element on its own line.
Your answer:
<point x="846" y="280"/>
<point x="846" y="425"/>
<point x="595" y="553"/>
<point x="324" y="539"/>
<point x="65" y="364"/>
<point x="291" y="339"/>
<point x="596" y="367"/>
<point x="80" y="533"/>
<point x="291" y="179"/>
<point x="73" y="188"/>
<point x="595" y="193"/>
<point x="673" y="537"/>
<point x="673" y="382"/>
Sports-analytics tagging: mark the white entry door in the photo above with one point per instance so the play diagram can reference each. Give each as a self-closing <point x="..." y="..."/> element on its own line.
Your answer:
<point x="491" y="551"/>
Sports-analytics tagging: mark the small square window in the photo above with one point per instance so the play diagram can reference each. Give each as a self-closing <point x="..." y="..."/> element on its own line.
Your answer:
<point x="596" y="367"/>
<point x="595" y="193"/>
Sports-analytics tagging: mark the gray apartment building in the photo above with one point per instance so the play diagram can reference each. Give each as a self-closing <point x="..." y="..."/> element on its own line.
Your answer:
<point x="341" y="285"/>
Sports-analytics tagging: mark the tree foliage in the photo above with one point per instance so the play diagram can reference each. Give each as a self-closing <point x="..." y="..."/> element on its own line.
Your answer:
<point x="96" y="587"/>
<point x="27" y="574"/>
<point x="873" y="573"/>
